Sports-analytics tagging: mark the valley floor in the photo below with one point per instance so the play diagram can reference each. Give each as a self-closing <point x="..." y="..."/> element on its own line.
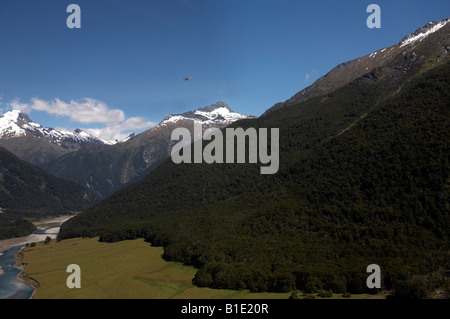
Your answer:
<point x="127" y="269"/>
<point x="123" y="270"/>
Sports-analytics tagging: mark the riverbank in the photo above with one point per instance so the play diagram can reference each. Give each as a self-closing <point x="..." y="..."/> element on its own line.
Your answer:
<point x="12" y="282"/>
<point x="7" y="244"/>
<point x="22" y="276"/>
<point x="10" y="286"/>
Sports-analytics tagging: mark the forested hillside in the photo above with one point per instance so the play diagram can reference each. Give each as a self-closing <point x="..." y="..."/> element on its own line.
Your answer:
<point x="27" y="191"/>
<point x="364" y="178"/>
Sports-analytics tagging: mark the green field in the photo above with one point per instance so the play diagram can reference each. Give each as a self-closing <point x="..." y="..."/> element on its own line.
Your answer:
<point x="124" y="270"/>
<point x="127" y="269"/>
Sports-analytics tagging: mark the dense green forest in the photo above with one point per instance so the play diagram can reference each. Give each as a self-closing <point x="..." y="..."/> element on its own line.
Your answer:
<point x="27" y="191"/>
<point x="14" y="226"/>
<point x="363" y="179"/>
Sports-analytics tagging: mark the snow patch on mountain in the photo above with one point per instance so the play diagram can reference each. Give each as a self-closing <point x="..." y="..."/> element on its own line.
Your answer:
<point x="423" y="32"/>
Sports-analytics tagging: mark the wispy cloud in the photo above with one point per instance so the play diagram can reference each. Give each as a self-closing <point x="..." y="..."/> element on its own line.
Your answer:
<point x="309" y="75"/>
<point x="85" y="111"/>
<point x="120" y="131"/>
<point x="88" y="111"/>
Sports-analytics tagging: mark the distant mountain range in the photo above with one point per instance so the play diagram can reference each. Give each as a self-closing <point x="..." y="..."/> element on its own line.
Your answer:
<point x="37" y="144"/>
<point x="364" y="178"/>
<point x="100" y="166"/>
<point x="103" y="169"/>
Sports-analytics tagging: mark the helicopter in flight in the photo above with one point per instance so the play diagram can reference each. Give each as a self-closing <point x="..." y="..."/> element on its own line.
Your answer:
<point x="186" y="78"/>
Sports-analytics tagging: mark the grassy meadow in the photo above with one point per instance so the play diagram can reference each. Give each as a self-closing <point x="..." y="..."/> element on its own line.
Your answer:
<point x="127" y="269"/>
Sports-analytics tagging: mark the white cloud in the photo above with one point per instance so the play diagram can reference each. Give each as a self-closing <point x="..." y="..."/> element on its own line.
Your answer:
<point x="122" y="130"/>
<point x="17" y="105"/>
<point x="88" y="111"/>
<point x="309" y="75"/>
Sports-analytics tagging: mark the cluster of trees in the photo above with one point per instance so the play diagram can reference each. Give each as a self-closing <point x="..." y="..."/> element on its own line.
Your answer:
<point x="342" y="199"/>
<point x="257" y="279"/>
<point x="11" y="226"/>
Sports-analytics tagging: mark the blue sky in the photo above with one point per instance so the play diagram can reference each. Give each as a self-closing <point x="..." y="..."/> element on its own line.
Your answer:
<point x="128" y="58"/>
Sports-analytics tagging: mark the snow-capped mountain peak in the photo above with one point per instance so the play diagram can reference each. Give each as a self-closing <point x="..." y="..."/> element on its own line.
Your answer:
<point x="10" y="124"/>
<point x="217" y="114"/>
<point x="15" y="123"/>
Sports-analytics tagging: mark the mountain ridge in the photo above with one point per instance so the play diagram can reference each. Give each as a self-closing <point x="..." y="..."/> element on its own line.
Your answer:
<point x="349" y="71"/>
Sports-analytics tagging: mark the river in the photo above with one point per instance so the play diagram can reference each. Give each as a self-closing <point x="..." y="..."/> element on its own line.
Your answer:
<point x="10" y="286"/>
